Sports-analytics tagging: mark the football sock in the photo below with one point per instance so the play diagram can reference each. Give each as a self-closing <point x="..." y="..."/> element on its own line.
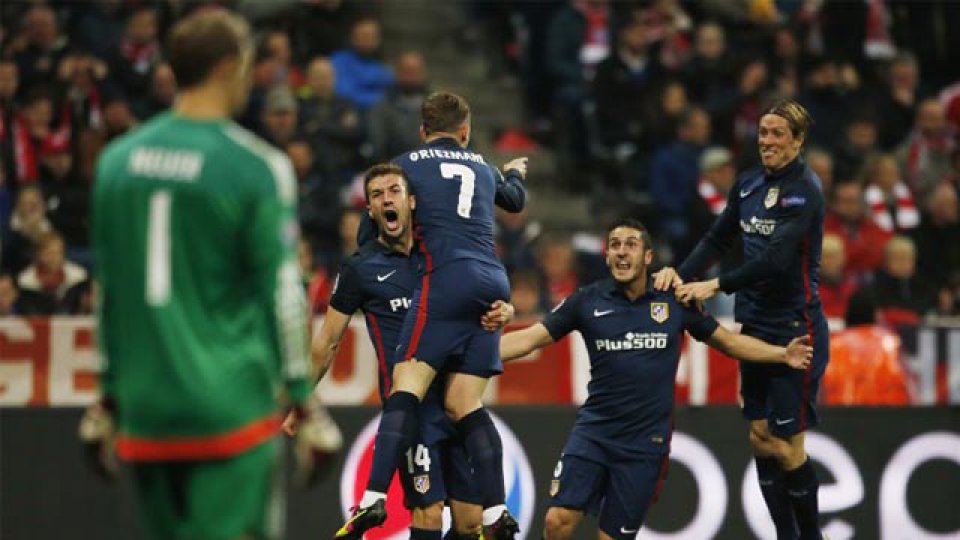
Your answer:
<point x="772" y="484"/>
<point x="802" y="486"/>
<point x="397" y="429"/>
<point x="482" y="442"/>
<point x="425" y="534"/>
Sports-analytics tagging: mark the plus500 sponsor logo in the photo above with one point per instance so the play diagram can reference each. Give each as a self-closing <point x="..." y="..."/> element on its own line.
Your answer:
<point x="632" y="341"/>
<point x="517" y="478"/>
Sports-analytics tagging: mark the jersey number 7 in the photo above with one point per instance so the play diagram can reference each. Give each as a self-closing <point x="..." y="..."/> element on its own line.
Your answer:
<point x="453" y="171"/>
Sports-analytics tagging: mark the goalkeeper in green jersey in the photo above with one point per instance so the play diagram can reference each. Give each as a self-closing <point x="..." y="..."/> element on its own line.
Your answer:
<point x="202" y="318"/>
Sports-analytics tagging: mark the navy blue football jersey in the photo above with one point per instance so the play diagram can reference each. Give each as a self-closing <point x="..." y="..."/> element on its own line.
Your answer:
<point x="780" y="219"/>
<point x="379" y="282"/>
<point x="456" y="193"/>
<point x="634" y="349"/>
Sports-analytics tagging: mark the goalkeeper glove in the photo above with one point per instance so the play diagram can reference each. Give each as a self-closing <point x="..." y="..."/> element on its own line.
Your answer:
<point x="97" y="433"/>
<point x="316" y="441"/>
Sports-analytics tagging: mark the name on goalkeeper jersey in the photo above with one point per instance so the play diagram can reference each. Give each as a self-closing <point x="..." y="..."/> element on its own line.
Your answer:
<point x="437" y="153"/>
<point x="166" y="164"/>
<point x="634" y="341"/>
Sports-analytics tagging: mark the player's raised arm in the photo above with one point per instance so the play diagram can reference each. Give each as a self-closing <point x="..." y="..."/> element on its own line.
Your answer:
<point x="797" y="354"/>
<point x="715" y="243"/>
<point x="325" y="345"/>
<point x="517" y="344"/>
<point x="511" y="195"/>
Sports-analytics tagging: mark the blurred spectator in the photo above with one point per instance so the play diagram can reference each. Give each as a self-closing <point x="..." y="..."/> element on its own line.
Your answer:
<point x="52" y="275"/>
<point x="902" y="296"/>
<point x="899" y="100"/>
<point x="668" y="24"/>
<point x="836" y="284"/>
<point x="824" y="98"/>
<point x="321" y="26"/>
<point x="558" y="262"/>
<point x="859" y="142"/>
<point x="138" y="53"/>
<point x="717" y="177"/>
<point x="526" y="295"/>
<point x="394" y="124"/>
<point x="623" y="84"/>
<point x="925" y="154"/>
<point x="316" y="281"/>
<point x="264" y="77"/>
<point x="279" y="118"/>
<point x="735" y="114"/>
<point x="14" y="303"/>
<point x="890" y="201"/>
<point x="83" y="75"/>
<point x="317" y="222"/>
<point x="708" y="73"/>
<point x="663" y="114"/>
<point x="948" y="298"/>
<point x="117" y="117"/>
<point x="98" y="27"/>
<point x="30" y="128"/>
<point x="10" y="126"/>
<point x="674" y="174"/>
<point x="847" y="218"/>
<point x="163" y="91"/>
<point x="27" y="224"/>
<point x="67" y="198"/>
<point x="277" y="42"/>
<point x="822" y="163"/>
<point x="347" y="225"/>
<point x="516" y="235"/>
<point x="40" y="47"/>
<point x="865" y="364"/>
<point x="362" y="76"/>
<point x="330" y="121"/>
<point x="938" y="237"/>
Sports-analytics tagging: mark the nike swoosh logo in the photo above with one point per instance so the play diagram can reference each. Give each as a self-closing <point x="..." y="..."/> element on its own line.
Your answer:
<point x="597" y="313"/>
<point x="783" y="422"/>
<point x="624" y="530"/>
<point x="385" y="277"/>
<point x="745" y="193"/>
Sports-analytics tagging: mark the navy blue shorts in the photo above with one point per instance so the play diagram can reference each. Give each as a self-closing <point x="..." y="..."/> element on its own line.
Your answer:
<point x="442" y="327"/>
<point x="618" y="492"/>
<point x="784" y="396"/>
<point x="437" y="472"/>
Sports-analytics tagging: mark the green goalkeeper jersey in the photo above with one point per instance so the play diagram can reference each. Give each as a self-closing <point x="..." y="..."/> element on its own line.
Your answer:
<point x="202" y="312"/>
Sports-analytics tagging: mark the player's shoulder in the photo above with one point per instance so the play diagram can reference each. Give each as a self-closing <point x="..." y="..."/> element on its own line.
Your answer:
<point x="117" y="152"/>
<point x="258" y="162"/>
<point x="751" y="174"/>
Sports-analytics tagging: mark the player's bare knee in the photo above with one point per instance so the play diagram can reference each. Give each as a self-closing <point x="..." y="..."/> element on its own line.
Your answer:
<point x="760" y="440"/>
<point x="428" y="517"/>
<point x="558" y="524"/>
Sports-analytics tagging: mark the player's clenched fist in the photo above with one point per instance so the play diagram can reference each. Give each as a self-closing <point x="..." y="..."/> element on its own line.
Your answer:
<point x="519" y="165"/>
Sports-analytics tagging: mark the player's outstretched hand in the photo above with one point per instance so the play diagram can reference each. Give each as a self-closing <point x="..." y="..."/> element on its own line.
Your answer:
<point x="666" y="279"/>
<point x="697" y="291"/>
<point x="799" y="353"/>
<point x="316" y="443"/>
<point x="499" y="315"/>
<point x="519" y="164"/>
<point x="97" y="433"/>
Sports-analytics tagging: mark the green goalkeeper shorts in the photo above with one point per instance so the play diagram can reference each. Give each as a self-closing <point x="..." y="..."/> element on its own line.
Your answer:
<point x="223" y="499"/>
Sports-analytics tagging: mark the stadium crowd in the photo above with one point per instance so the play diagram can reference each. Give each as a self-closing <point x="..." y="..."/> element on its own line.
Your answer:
<point x="653" y="102"/>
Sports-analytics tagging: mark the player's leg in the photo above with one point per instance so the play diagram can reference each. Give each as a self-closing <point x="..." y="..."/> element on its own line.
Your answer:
<point x="793" y="397"/>
<point x="754" y="388"/>
<point x="160" y="490"/>
<point x="577" y="487"/>
<point x="464" y="497"/>
<point x="421" y="475"/>
<point x="633" y="487"/>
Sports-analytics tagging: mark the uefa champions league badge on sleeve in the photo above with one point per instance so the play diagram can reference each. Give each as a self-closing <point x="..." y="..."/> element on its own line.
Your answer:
<point x="517" y="478"/>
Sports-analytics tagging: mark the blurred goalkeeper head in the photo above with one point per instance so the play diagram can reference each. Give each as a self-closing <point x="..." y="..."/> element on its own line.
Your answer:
<point x="211" y="53"/>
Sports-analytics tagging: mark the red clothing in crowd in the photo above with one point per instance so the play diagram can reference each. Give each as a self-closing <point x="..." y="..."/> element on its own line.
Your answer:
<point x="863" y="243"/>
<point x="836" y="296"/>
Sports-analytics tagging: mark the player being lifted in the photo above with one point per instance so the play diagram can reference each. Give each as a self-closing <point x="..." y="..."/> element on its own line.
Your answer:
<point x="778" y="211"/>
<point x="616" y="457"/>
<point x="460" y="277"/>
<point x="379" y="280"/>
<point x="202" y="315"/>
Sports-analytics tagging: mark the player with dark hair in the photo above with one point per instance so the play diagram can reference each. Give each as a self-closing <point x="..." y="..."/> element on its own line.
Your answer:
<point x="379" y="280"/>
<point x="460" y="277"/>
<point x="616" y="457"/>
<point x="202" y="315"/>
<point x="778" y="212"/>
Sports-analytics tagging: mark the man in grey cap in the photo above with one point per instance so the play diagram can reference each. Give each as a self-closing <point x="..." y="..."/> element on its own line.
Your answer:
<point x="279" y="117"/>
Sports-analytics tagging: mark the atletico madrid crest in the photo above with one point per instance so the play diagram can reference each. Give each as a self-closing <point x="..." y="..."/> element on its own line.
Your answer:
<point x="771" y="199"/>
<point x="659" y="311"/>
<point x="421" y="483"/>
